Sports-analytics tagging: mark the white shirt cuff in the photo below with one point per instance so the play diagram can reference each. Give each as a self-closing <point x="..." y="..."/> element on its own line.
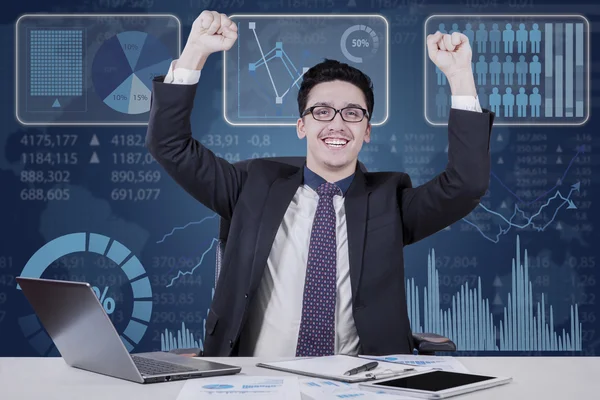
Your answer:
<point x="182" y="76"/>
<point x="469" y="103"/>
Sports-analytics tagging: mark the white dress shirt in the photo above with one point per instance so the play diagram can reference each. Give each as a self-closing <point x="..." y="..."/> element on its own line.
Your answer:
<point x="275" y="312"/>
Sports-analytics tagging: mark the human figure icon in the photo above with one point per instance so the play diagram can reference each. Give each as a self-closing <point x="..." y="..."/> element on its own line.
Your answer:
<point x="442" y="28"/>
<point x="508" y="36"/>
<point x="508" y="68"/>
<point x="441" y="77"/>
<point x="521" y="70"/>
<point x="483" y="97"/>
<point x="470" y="34"/>
<point x="495" y="69"/>
<point x="495" y="37"/>
<point x="441" y="103"/>
<point x="508" y="100"/>
<point x="495" y="101"/>
<point x="535" y="69"/>
<point x="535" y="101"/>
<point x="522" y="39"/>
<point x="521" y="103"/>
<point x="481" y="69"/>
<point x="481" y="37"/>
<point x="535" y="36"/>
<point x="454" y="29"/>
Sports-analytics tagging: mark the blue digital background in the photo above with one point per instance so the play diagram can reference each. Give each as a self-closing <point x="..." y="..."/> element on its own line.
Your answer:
<point x="517" y="276"/>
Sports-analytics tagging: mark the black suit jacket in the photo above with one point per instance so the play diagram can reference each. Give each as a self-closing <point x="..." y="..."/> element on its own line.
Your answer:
<point x="384" y="213"/>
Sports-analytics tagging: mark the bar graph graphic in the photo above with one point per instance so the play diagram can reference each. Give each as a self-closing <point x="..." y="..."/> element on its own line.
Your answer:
<point x="471" y="325"/>
<point x="543" y="80"/>
<point x="182" y="339"/>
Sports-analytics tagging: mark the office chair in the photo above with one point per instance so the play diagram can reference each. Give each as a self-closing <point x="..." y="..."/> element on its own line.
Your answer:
<point x="425" y="343"/>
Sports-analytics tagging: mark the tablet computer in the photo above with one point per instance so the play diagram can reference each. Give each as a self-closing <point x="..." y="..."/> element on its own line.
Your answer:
<point x="435" y="384"/>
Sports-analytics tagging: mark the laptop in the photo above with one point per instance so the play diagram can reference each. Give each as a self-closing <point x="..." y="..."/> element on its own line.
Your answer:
<point x="87" y="339"/>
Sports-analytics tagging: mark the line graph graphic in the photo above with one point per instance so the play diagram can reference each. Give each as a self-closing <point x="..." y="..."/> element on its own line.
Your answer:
<point x="470" y="324"/>
<point x="580" y="151"/>
<point x="190" y="272"/>
<point x="519" y="214"/>
<point x="261" y="86"/>
<point x="179" y="228"/>
<point x="186" y="261"/>
<point x="537" y="221"/>
<point x="279" y="53"/>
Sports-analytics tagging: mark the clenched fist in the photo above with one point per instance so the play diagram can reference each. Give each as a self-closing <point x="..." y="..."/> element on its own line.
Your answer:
<point x="211" y="32"/>
<point x="450" y="53"/>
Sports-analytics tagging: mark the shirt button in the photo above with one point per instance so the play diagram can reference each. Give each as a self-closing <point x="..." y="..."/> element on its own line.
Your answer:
<point x="246" y="295"/>
<point x="231" y="343"/>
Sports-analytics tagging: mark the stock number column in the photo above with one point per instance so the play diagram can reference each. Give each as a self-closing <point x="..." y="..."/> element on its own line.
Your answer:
<point x="135" y="174"/>
<point x="49" y="161"/>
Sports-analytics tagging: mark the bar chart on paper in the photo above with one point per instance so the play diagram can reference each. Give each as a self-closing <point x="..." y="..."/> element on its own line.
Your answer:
<point x="263" y="72"/>
<point x="529" y="69"/>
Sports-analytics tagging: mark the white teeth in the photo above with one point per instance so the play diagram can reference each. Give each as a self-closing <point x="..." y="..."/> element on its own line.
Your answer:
<point x="339" y="142"/>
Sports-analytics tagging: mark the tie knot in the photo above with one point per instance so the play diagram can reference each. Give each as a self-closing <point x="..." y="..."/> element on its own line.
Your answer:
<point x="328" y="190"/>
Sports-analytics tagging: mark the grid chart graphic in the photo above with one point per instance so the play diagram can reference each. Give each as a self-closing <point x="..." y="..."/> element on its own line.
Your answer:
<point x="529" y="70"/>
<point x="56" y="60"/>
<point x="75" y="69"/>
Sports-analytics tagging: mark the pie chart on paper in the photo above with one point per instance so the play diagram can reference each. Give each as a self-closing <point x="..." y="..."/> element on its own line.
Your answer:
<point x="123" y="69"/>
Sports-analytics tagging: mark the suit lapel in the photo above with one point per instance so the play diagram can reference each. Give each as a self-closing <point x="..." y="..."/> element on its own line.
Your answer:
<point x="280" y="195"/>
<point x="356" y="204"/>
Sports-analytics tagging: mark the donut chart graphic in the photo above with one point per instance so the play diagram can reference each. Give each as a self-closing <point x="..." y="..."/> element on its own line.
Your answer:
<point x="123" y="69"/>
<point x="111" y="249"/>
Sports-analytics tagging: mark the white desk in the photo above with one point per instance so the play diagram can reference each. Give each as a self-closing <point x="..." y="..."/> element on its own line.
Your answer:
<point x="544" y="378"/>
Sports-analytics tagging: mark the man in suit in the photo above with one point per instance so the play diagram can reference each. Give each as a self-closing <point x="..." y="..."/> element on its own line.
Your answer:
<point x="314" y="258"/>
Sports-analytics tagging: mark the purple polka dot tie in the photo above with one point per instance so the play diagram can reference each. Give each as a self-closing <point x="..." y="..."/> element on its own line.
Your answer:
<point x="317" y="326"/>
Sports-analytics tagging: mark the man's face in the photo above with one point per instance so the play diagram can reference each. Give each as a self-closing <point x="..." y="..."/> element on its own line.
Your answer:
<point x="324" y="137"/>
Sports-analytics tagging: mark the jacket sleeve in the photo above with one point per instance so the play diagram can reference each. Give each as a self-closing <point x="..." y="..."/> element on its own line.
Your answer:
<point x="455" y="192"/>
<point x="211" y="180"/>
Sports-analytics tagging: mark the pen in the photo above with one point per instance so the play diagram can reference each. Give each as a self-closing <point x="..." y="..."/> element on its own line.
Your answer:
<point x="389" y="374"/>
<point x="362" y="368"/>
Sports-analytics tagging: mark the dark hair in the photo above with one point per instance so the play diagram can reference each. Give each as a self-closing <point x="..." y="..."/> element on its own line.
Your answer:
<point x="331" y="70"/>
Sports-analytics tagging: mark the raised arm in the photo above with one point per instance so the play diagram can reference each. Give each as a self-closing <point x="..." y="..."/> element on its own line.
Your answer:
<point x="211" y="180"/>
<point x="455" y="192"/>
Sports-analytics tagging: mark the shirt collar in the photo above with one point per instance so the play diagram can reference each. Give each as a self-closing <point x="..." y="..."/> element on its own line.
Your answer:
<point x="314" y="180"/>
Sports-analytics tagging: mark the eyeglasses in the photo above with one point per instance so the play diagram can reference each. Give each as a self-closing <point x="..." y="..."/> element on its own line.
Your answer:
<point x="326" y="113"/>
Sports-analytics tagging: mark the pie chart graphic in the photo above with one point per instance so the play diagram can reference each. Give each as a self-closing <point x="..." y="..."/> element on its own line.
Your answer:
<point x="123" y="69"/>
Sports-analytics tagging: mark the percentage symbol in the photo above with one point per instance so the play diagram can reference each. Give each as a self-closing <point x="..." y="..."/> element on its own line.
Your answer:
<point x="360" y="43"/>
<point x="140" y="97"/>
<point x="130" y="46"/>
<point x="107" y="302"/>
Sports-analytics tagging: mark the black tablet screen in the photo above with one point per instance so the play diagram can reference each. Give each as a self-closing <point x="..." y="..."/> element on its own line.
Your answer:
<point x="434" y="381"/>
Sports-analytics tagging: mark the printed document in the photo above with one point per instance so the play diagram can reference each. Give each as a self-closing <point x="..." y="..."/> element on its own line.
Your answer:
<point x="238" y="387"/>
<point x="442" y="363"/>
<point x="323" y="389"/>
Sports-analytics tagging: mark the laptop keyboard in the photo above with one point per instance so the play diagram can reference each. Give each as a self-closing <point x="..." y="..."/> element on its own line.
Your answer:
<point x="149" y="366"/>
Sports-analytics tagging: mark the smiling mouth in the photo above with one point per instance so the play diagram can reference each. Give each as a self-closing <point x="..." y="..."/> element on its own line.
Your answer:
<point x="337" y="143"/>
